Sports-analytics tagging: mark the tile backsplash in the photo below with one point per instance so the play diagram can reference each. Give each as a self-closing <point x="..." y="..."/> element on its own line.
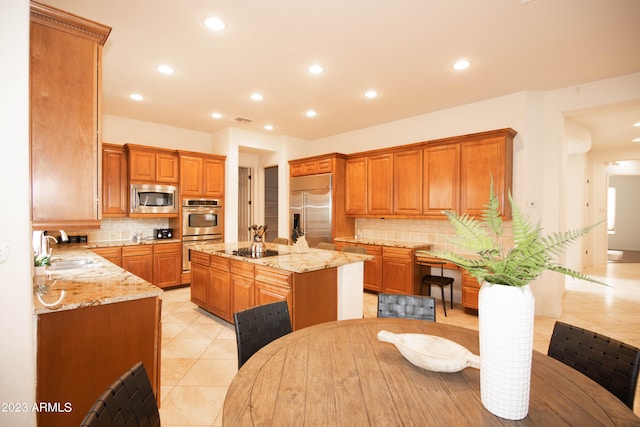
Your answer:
<point x="114" y="229"/>
<point x="433" y="231"/>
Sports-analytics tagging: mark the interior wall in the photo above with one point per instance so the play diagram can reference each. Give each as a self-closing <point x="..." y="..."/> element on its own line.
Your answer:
<point x="17" y="334"/>
<point x="627" y="232"/>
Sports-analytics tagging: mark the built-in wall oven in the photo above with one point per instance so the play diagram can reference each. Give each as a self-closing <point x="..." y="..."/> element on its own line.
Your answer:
<point x="201" y="223"/>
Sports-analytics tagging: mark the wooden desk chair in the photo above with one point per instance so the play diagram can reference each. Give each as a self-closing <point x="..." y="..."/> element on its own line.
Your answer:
<point x="129" y="401"/>
<point x="281" y="241"/>
<point x="407" y="306"/>
<point x="355" y="249"/>
<point x="611" y="363"/>
<point x="258" y="326"/>
<point x="441" y="280"/>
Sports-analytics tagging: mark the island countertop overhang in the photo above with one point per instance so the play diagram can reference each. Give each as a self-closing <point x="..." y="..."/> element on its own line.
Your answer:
<point x="287" y="259"/>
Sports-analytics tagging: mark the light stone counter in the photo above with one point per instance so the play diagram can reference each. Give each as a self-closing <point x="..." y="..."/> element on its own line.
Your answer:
<point x="85" y="287"/>
<point x="390" y="243"/>
<point x="287" y="259"/>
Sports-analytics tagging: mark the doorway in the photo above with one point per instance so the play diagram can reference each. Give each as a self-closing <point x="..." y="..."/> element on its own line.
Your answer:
<point x="271" y="202"/>
<point x="245" y="213"/>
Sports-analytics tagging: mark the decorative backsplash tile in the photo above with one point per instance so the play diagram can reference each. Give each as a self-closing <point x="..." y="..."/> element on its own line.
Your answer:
<point x="113" y="229"/>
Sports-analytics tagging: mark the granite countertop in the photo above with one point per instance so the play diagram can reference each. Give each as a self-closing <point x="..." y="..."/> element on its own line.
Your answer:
<point x="85" y="287"/>
<point x="287" y="259"/>
<point x="390" y="243"/>
<point x="127" y="242"/>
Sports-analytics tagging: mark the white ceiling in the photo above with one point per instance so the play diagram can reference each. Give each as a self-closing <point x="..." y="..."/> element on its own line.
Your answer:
<point x="402" y="48"/>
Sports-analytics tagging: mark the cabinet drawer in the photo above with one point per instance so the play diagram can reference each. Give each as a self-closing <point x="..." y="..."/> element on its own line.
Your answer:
<point x="220" y="263"/>
<point x="113" y="252"/>
<point x="470" y="297"/>
<point x="272" y="276"/>
<point x="200" y="258"/>
<point x="137" y="250"/>
<point x="372" y="249"/>
<point x="324" y="166"/>
<point x="241" y="268"/>
<point x="167" y="248"/>
<point x="397" y="252"/>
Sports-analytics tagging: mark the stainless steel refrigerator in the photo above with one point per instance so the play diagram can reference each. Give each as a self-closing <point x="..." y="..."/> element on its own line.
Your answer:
<point x="310" y="208"/>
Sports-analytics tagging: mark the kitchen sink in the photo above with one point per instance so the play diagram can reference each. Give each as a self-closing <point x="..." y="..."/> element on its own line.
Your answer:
<point x="74" y="263"/>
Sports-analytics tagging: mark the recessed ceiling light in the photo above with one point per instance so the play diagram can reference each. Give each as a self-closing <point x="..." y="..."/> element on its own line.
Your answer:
<point x="315" y="69"/>
<point x="215" y="23"/>
<point x="311" y="113"/>
<point x="637" y="124"/>
<point x="216" y="115"/>
<point x="462" y="64"/>
<point x="268" y="127"/>
<point x="256" y="97"/>
<point x="371" y="94"/>
<point x="165" y="69"/>
<point x="136" y="97"/>
<point x="636" y="140"/>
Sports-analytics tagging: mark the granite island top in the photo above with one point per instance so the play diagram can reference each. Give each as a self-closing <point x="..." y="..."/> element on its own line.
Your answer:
<point x="73" y="288"/>
<point x="380" y="242"/>
<point x="287" y="259"/>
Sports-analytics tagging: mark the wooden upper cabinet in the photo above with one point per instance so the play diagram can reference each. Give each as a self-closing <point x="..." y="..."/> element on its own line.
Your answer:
<point x="114" y="181"/>
<point x="201" y="175"/>
<point x="65" y="96"/>
<point x="441" y="181"/>
<point x="356" y="186"/>
<point x="152" y="165"/>
<point x="380" y="184"/>
<point x="481" y="159"/>
<point x="313" y="165"/>
<point x="407" y="182"/>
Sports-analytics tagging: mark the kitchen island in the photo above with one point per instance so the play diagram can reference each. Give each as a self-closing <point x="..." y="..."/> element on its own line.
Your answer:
<point x="94" y="320"/>
<point x="319" y="286"/>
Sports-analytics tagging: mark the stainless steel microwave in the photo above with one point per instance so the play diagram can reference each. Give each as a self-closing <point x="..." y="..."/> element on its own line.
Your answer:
<point x="154" y="199"/>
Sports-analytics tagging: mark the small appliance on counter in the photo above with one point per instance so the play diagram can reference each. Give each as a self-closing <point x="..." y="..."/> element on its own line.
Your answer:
<point x="163" y="233"/>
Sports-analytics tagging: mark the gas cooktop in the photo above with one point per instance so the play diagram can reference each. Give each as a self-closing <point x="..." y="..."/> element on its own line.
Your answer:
<point x="246" y="253"/>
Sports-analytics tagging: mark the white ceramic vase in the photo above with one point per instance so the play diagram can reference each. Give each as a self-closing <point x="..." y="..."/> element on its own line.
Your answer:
<point x="506" y="344"/>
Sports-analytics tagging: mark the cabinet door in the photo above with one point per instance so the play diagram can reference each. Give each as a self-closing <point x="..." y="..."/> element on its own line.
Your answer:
<point x="470" y="291"/>
<point x="324" y="166"/>
<point x="407" y="182"/>
<point x="441" y="182"/>
<point x="480" y="160"/>
<point x="112" y="254"/>
<point x="167" y="168"/>
<point x="64" y="115"/>
<point x="380" y="184"/>
<point x="397" y="271"/>
<point x="142" y="165"/>
<point x="373" y="269"/>
<point x="220" y="290"/>
<point x="356" y="186"/>
<point x="114" y="181"/>
<point x="167" y="264"/>
<point x="295" y="169"/>
<point x="140" y="265"/>
<point x="200" y="283"/>
<point x="242" y="285"/>
<point x="213" y="179"/>
<point x="191" y="175"/>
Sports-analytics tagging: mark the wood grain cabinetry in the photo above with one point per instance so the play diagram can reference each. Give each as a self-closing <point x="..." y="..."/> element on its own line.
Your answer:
<point x="200" y="279"/>
<point x="372" y="268"/>
<point x="115" y="197"/>
<point x="220" y="289"/>
<point x="407" y="182"/>
<point x="470" y="291"/>
<point x="380" y="184"/>
<point x="152" y="165"/>
<point x="65" y="100"/>
<point x="112" y="254"/>
<point x="167" y="264"/>
<point x="398" y="271"/>
<point x="441" y="179"/>
<point x="273" y="285"/>
<point x="138" y="260"/>
<point x="80" y="352"/>
<point x="356" y="186"/>
<point x="201" y="175"/>
<point x="312" y="166"/>
<point x="242" y="285"/>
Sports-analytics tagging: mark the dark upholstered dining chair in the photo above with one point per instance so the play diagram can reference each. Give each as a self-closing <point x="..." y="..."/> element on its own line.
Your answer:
<point x="326" y="246"/>
<point x="258" y="326"/>
<point x="354" y="249"/>
<point x="407" y="306"/>
<point x="281" y="241"/>
<point x="611" y="363"/>
<point x="128" y="402"/>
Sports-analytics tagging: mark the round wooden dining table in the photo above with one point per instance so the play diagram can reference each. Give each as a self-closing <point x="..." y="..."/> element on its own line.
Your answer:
<point x="338" y="373"/>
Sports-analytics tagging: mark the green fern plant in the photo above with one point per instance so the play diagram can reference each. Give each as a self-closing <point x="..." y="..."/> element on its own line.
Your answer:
<point x="518" y="265"/>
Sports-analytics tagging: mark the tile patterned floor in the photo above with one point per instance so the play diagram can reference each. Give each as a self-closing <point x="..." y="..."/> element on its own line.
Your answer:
<point x="199" y="350"/>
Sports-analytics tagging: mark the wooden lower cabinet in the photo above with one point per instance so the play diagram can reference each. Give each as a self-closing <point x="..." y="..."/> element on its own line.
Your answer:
<point x="398" y="268"/>
<point x="220" y="288"/>
<point x="112" y="254"/>
<point x="138" y="260"/>
<point x="167" y="264"/>
<point x="200" y="279"/>
<point x="81" y="352"/>
<point x="470" y="291"/>
<point x="242" y="285"/>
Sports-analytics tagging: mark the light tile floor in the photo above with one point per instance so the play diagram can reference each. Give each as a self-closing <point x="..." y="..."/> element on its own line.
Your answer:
<point x="199" y="356"/>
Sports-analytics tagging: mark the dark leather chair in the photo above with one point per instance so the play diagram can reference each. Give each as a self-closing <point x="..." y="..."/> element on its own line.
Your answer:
<point x="407" y="306"/>
<point x="441" y="281"/>
<point x="129" y="401"/>
<point x="611" y="363"/>
<point x="326" y="246"/>
<point x="258" y="326"/>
